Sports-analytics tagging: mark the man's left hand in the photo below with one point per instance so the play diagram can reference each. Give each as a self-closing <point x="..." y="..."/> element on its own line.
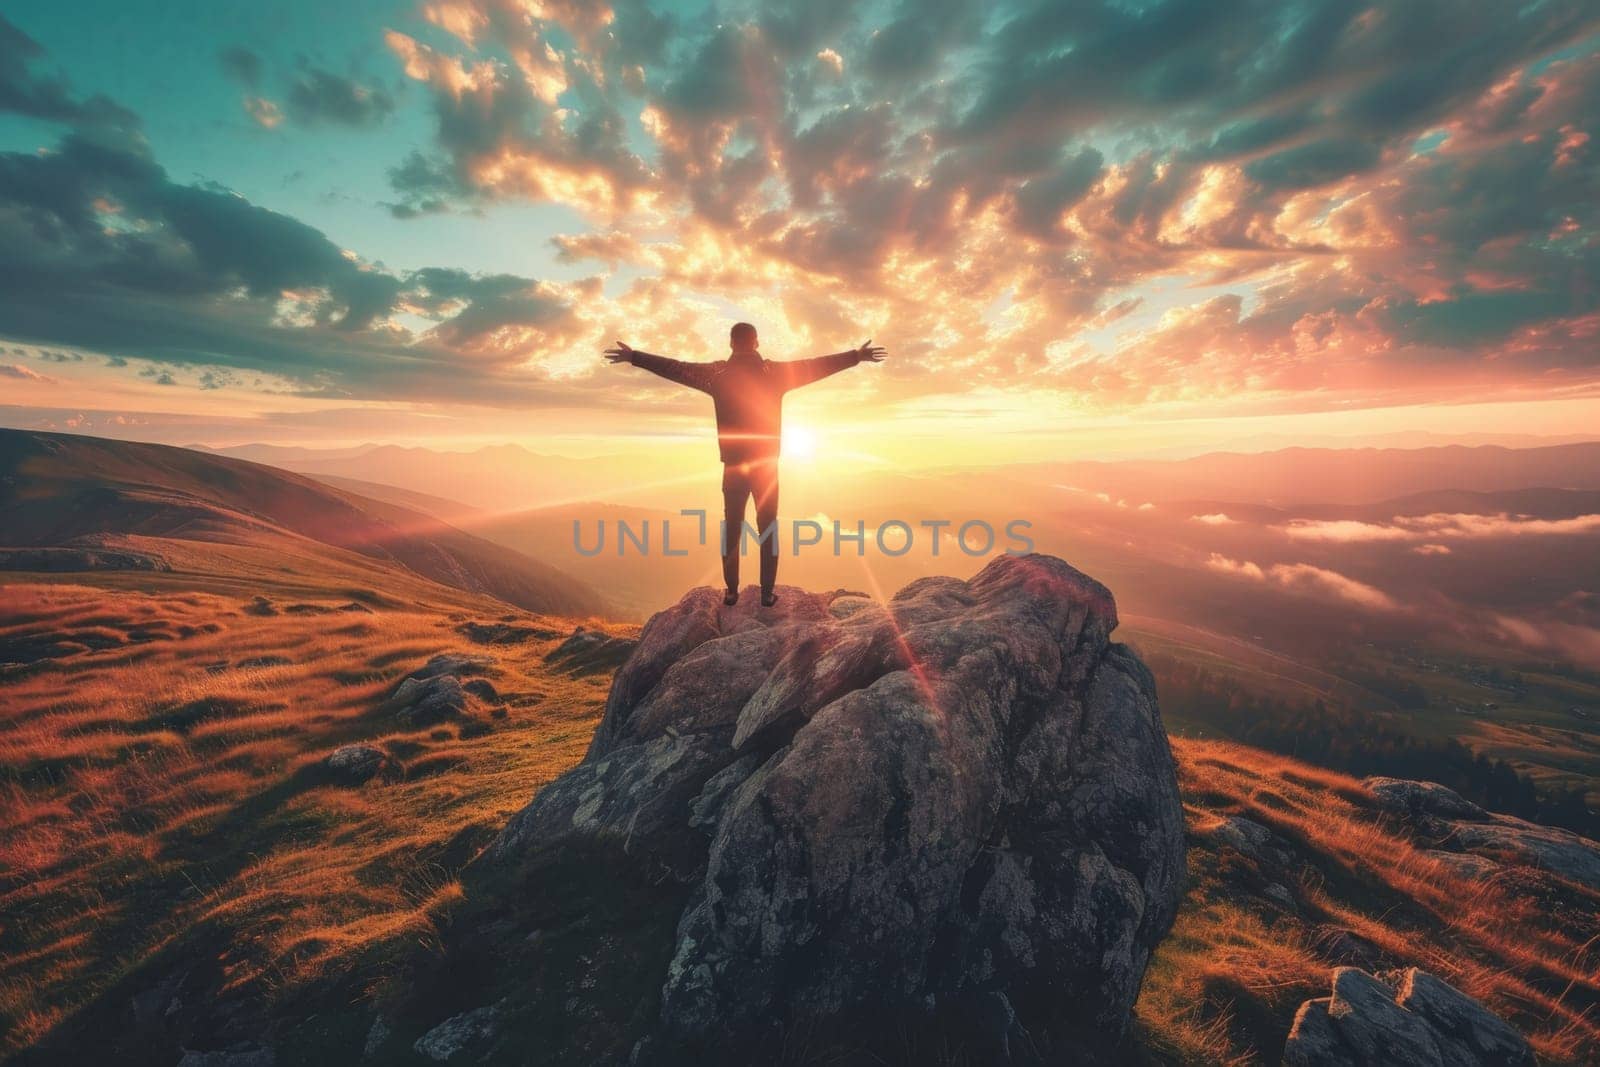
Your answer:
<point x="869" y="352"/>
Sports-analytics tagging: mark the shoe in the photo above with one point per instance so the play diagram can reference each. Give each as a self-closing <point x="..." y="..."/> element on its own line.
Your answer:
<point x="731" y="597"/>
<point x="768" y="598"/>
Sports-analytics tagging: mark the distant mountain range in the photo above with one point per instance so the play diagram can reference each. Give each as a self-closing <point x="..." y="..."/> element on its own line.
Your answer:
<point x="495" y="477"/>
<point x="82" y="503"/>
<point x="511" y="477"/>
<point x="1294" y="477"/>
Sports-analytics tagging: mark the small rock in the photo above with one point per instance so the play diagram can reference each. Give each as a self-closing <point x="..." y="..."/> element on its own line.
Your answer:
<point x="472" y="1029"/>
<point x="359" y="764"/>
<point x="1279" y="894"/>
<point x="1244" y="835"/>
<point x="421" y="701"/>
<point x="588" y="651"/>
<point x="452" y="664"/>
<point x="498" y="633"/>
<point x="1422" y="1023"/>
<point x="376" y="1036"/>
<point x="1422" y="798"/>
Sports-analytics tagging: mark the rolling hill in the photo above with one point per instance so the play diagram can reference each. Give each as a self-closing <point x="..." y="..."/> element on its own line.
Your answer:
<point x="83" y="503"/>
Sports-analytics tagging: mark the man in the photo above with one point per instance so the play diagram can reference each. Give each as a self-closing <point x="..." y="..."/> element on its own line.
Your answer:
<point x="748" y="393"/>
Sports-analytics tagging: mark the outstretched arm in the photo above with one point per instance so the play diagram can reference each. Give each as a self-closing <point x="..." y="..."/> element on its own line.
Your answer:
<point x="805" y="371"/>
<point x="694" y="375"/>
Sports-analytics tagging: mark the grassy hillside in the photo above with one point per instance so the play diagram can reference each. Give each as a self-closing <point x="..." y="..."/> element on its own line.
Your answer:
<point x="165" y="802"/>
<point x="168" y="818"/>
<point x="77" y="503"/>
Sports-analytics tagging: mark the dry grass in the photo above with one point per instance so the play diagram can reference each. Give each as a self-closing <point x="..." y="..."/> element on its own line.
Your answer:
<point x="1224" y="986"/>
<point x="157" y="779"/>
<point x="160" y="778"/>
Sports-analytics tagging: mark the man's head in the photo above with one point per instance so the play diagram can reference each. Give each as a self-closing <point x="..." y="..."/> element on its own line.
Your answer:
<point x="743" y="337"/>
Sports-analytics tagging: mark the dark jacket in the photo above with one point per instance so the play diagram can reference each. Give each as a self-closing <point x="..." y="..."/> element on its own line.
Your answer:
<point x="748" y="393"/>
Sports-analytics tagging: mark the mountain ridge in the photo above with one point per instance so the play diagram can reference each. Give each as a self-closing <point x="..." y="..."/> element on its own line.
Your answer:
<point x="68" y="490"/>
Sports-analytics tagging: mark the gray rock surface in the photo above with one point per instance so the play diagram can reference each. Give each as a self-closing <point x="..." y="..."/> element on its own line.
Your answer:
<point x="1477" y="843"/>
<point x="435" y="691"/>
<point x="588" y="651"/>
<point x="469" y="1031"/>
<point x="1561" y="852"/>
<point x="1464" y="865"/>
<point x="1427" y="798"/>
<point x="424" y="701"/>
<point x="359" y="764"/>
<point x="960" y="803"/>
<point x="1404" y="1019"/>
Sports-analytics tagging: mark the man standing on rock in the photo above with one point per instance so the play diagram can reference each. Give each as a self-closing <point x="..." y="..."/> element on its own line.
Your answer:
<point x="748" y="393"/>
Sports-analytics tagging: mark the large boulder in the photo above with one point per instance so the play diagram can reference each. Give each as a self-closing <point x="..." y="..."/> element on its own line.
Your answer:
<point x="1401" y="1019"/>
<point x="956" y="810"/>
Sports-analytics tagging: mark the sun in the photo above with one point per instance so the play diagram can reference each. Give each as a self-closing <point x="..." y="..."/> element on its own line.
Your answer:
<point x="799" y="442"/>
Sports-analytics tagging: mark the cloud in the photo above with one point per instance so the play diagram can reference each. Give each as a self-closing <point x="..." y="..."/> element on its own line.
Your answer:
<point x="24" y="91"/>
<point x="320" y="96"/>
<point x="1439" y="526"/>
<point x="242" y="65"/>
<point x="1307" y="580"/>
<point x="1217" y="518"/>
<point x="501" y="134"/>
<point x="264" y="112"/>
<point x="1432" y="550"/>
<point x="1579" y="643"/>
<point x="1300" y="206"/>
<point x="21" y="373"/>
<point x="1343" y="530"/>
<point x="1243" y="568"/>
<point x="197" y="275"/>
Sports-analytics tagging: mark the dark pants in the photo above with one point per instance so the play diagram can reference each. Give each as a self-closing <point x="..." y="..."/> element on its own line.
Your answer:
<point x="740" y="482"/>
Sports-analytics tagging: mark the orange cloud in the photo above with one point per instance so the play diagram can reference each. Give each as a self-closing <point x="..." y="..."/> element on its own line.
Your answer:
<point x="1439" y="525"/>
<point x="1309" y="580"/>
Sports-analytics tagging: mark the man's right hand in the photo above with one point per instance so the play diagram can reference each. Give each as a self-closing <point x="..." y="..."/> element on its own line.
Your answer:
<point x="620" y="354"/>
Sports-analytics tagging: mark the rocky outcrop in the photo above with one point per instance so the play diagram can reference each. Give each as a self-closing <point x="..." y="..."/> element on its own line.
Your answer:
<point x="1401" y="1019"/>
<point x="1509" y="839"/>
<point x="1424" y="798"/>
<point x="436" y="691"/>
<point x="587" y="651"/>
<point x="1476" y="843"/>
<point x="956" y="810"/>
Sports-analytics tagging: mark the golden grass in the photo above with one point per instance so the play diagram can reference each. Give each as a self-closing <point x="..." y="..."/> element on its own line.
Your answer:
<point x="1232" y="955"/>
<point x="155" y="783"/>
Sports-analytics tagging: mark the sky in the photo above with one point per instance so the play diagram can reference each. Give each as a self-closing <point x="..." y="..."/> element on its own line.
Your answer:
<point x="1085" y="229"/>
